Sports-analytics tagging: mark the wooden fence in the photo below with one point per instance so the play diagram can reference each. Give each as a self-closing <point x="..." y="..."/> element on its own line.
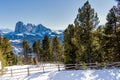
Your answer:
<point x="32" y="70"/>
<point x="93" y="66"/>
<point x="58" y="67"/>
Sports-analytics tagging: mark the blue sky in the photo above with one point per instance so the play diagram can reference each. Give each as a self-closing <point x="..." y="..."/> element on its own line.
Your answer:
<point x="54" y="14"/>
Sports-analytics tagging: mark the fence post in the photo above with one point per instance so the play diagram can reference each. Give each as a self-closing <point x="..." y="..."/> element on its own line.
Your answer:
<point x="11" y="73"/>
<point x="76" y="66"/>
<point x="58" y="67"/>
<point x="43" y="69"/>
<point x="28" y="71"/>
<point x="97" y="65"/>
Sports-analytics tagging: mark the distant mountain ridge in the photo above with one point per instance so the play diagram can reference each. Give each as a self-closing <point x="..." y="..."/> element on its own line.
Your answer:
<point x="30" y="33"/>
<point x="30" y="28"/>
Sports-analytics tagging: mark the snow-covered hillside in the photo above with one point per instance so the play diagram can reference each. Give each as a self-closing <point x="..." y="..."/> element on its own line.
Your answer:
<point x="105" y="74"/>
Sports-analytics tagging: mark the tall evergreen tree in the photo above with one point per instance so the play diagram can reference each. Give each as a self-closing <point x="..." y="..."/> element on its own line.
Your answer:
<point x="37" y="49"/>
<point x="117" y="32"/>
<point x="26" y="48"/>
<point x="56" y="49"/>
<point x="112" y="39"/>
<point x="87" y="20"/>
<point x="98" y="41"/>
<point x="7" y="52"/>
<point x="69" y="46"/>
<point x="11" y="59"/>
<point x="7" y="46"/>
<point x="79" y="41"/>
<point x="7" y="56"/>
<point x="117" y="46"/>
<point x="46" y="48"/>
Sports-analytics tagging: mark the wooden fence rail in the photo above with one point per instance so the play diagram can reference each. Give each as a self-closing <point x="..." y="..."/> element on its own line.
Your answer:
<point x="93" y="66"/>
<point x="32" y="70"/>
<point x="58" y="67"/>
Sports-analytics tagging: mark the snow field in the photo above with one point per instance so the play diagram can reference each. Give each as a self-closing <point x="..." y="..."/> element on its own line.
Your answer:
<point x="52" y="73"/>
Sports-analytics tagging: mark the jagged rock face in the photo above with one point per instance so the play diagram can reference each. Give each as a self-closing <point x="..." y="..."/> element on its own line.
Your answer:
<point x="41" y="28"/>
<point x="19" y="28"/>
<point x="30" y="28"/>
<point x="31" y="33"/>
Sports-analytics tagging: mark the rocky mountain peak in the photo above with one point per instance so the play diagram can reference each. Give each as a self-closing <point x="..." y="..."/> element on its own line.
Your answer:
<point x="19" y="28"/>
<point x="31" y="33"/>
<point x="30" y="28"/>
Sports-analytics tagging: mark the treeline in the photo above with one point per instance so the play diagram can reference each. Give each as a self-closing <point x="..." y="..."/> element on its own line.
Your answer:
<point x="42" y="51"/>
<point x="86" y="42"/>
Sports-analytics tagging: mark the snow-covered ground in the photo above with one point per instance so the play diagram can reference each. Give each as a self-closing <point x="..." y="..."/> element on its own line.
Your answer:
<point x="17" y="50"/>
<point x="105" y="74"/>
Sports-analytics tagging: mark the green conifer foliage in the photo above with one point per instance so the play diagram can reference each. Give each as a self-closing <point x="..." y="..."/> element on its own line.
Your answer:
<point x="85" y="23"/>
<point x="46" y="48"/>
<point x="56" y="49"/>
<point x="69" y="46"/>
<point x="37" y="50"/>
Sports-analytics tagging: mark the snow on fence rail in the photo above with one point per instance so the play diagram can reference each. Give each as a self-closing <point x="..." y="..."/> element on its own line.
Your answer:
<point x="58" y="67"/>
<point x="32" y="70"/>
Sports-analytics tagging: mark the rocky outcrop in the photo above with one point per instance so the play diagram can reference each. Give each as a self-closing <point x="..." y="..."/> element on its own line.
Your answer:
<point x="31" y="33"/>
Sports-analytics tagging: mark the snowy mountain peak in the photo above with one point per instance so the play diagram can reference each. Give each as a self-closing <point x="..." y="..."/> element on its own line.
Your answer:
<point x="30" y="28"/>
<point x="19" y="28"/>
<point x="31" y="33"/>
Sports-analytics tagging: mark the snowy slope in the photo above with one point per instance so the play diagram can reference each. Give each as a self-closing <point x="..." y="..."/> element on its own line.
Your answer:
<point x="72" y="75"/>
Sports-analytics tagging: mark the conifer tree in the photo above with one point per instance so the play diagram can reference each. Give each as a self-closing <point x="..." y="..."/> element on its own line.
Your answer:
<point x="69" y="46"/>
<point x="7" y="52"/>
<point x="79" y="41"/>
<point x="112" y="37"/>
<point x="117" y="33"/>
<point x="37" y="49"/>
<point x="117" y="46"/>
<point x="11" y="59"/>
<point x="56" y="49"/>
<point x="6" y="46"/>
<point x="98" y="48"/>
<point x="26" y="48"/>
<point x="46" y="48"/>
<point x="7" y="56"/>
<point x="25" y="45"/>
<point x="87" y="20"/>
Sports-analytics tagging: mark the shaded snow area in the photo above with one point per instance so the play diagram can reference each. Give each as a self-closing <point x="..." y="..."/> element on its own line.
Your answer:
<point x="105" y="74"/>
<point x="16" y="50"/>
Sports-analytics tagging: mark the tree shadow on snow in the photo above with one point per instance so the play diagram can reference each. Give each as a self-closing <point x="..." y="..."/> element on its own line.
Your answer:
<point x="35" y="75"/>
